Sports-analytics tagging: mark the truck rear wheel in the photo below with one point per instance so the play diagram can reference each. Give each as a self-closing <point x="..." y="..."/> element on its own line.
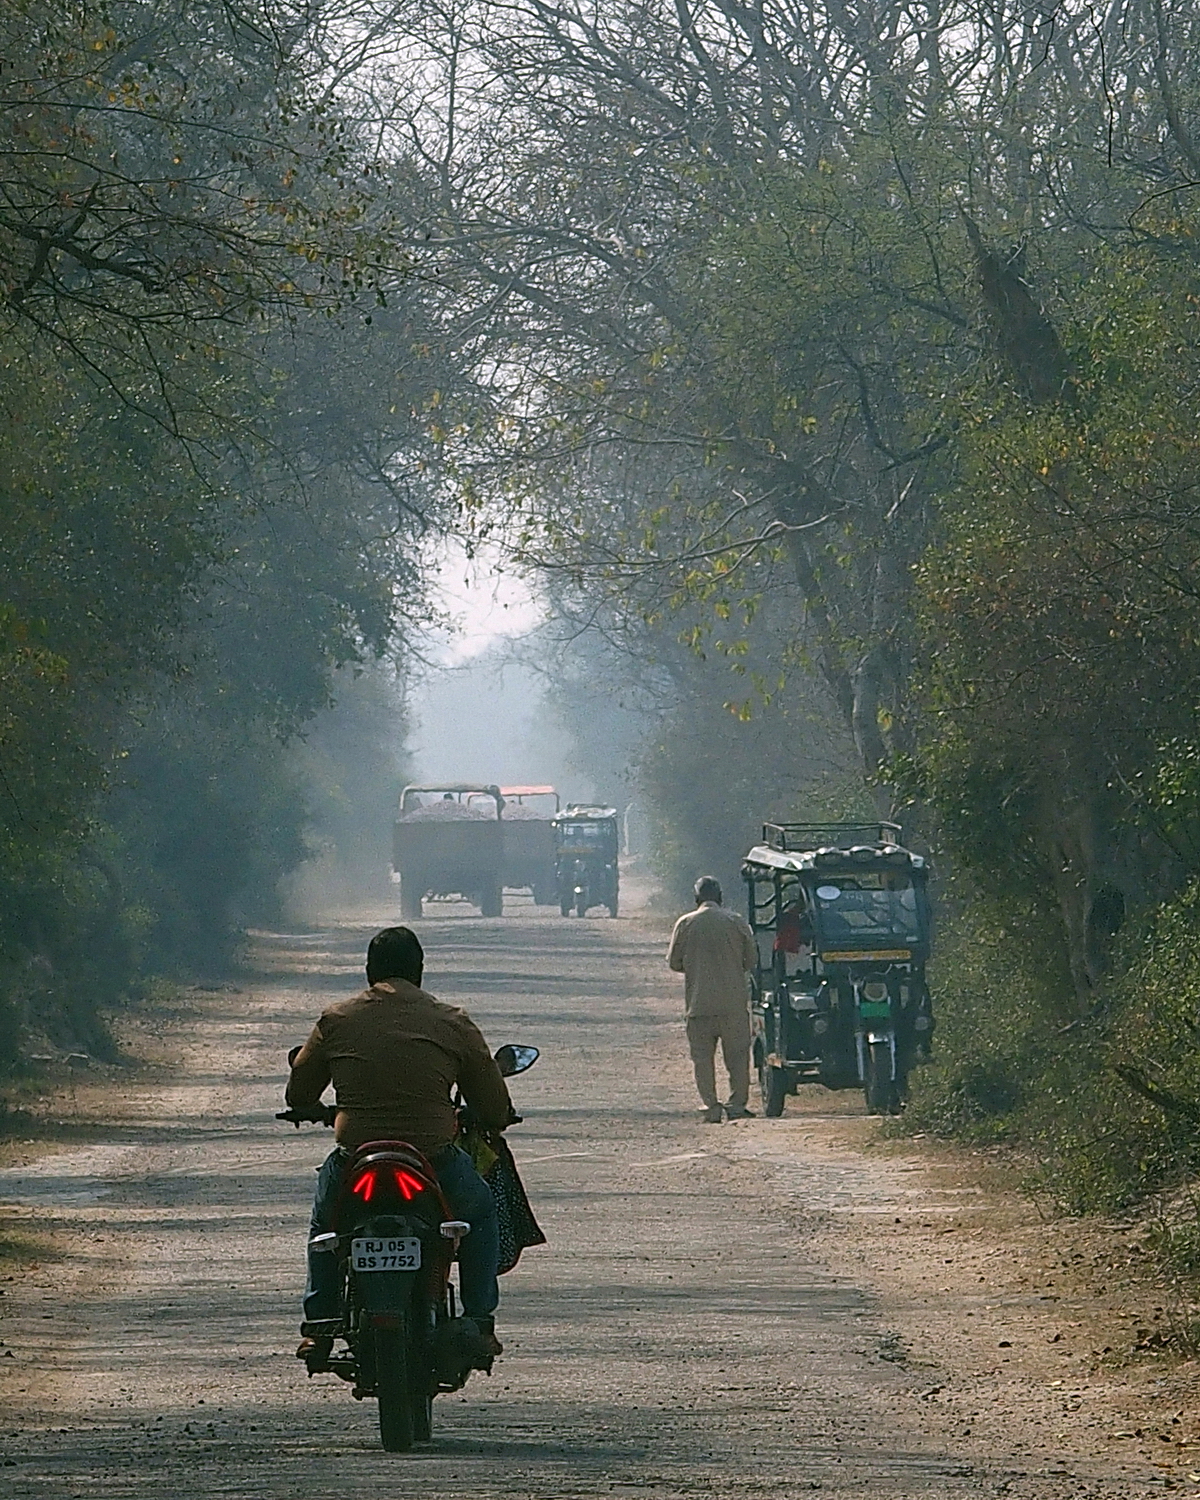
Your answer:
<point x="411" y="896"/>
<point x="491" y="902"/>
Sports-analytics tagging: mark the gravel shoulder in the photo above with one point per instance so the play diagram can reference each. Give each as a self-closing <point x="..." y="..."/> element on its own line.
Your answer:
<point x="763" y="1308"/>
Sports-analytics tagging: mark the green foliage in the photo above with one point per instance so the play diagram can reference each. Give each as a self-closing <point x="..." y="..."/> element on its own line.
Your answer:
<point x="198" y="525"/>
<point x="712" y="778"/>
<point x="1110" y="1105"/>
<point x="1107" y="1143"/>
<point x="352" y="762"/>
<point x="70" y="947"/>
<point x="997" y="978"/>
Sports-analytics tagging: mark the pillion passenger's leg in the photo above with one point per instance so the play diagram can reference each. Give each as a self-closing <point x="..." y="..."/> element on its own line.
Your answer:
<point x="321" y="1295"/>
<point x="735" y="1049"/>
<point x="471" y="1199"/>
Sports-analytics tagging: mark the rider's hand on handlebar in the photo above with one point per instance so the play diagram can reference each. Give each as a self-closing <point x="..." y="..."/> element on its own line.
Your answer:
<point x="322" y="1114"/>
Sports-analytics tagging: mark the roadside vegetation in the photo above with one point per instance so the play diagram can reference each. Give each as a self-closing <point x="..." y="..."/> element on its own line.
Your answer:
<point x="200" y="533"/>
<point x="833" y="375"/>
<point x="841" y="372"/>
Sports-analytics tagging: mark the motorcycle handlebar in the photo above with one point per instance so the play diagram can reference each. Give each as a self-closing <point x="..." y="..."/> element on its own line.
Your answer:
<point x="324" y="1114"/>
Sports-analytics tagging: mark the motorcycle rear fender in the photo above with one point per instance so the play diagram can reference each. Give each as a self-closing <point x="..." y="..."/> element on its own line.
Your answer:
<point x="393" y="1291"/>
<point x="380" y="1293"/>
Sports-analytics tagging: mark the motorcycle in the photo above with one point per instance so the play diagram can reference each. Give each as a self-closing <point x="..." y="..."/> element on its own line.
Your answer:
<point x="395" y="1241"/>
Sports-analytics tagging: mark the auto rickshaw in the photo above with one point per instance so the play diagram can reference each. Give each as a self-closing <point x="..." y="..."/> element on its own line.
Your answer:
<point x="840" y="912"/>
<point x="585" y="848"/>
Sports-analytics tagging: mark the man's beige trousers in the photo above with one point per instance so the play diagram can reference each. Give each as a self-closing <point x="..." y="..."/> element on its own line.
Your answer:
<point x="732" y="1029"/>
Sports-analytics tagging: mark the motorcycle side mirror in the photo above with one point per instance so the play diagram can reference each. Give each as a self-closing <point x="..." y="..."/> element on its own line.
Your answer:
<point x="513" y="1058"/>
<point x="293" y="1054"/>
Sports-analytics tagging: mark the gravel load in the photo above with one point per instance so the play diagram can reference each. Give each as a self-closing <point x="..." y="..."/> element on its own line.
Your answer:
<point x="449" y="812"/>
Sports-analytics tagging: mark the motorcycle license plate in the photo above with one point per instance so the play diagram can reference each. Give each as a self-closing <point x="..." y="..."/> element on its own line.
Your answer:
<point x="385" y="1255"/>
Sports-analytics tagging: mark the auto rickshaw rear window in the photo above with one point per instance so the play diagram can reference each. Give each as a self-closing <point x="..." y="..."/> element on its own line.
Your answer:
<point x="578" y="834"/>
<point x="868" y="904"/>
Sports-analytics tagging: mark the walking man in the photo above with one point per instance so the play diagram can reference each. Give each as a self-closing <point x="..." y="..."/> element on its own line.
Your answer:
<point x="715" y="951"/>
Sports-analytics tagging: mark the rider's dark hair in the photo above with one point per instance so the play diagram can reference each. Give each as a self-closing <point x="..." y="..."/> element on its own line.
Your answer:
<point x="708" y="888"/>
<point x="395" y="953"/>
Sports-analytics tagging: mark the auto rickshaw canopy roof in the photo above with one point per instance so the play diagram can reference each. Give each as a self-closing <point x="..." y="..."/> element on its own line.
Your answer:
<point x="767" y="859"/>
<point x="797" y="848"/>
<point x="576" y="813"/>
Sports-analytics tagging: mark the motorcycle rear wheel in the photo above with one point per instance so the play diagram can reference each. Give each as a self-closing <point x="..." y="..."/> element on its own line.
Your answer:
<point x="395" y="1388"/>
<point x="422" y="1417"/>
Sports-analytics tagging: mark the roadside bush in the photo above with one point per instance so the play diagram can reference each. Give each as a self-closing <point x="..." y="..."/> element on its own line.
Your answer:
<point x="70" y="945"/>
<point x="1110" y="1105"/>
<point x="996" y="979"/>
<point x="1122" y="1120"/>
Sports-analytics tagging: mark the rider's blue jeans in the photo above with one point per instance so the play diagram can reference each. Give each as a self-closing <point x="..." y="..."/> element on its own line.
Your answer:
<point x="469" y="1198"/>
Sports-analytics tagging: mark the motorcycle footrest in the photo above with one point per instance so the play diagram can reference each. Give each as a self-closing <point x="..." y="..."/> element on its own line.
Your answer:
<point x="321" y="1328"/>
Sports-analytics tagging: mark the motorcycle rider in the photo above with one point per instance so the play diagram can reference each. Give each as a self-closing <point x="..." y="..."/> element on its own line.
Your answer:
<point x="393" y="1053"/>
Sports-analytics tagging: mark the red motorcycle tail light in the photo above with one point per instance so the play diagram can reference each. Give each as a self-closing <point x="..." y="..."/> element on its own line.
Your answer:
<point x="409" y="1185"/>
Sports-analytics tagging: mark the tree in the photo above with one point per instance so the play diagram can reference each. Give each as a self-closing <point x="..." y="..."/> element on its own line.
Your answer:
<point x="199" y="526"/>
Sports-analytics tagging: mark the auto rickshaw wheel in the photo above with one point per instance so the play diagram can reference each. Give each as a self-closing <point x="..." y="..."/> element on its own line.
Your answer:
<point x="879" y="1087"/>
<point x="773" y="1086"/>
<point x="564" y="906"/>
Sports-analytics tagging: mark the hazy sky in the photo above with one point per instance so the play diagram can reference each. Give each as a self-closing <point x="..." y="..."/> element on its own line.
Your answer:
<point x="487" y="604"/>
<point x="474" y="721"/>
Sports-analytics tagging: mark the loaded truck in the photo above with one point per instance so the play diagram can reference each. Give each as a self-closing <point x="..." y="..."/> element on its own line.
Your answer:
<point x="449" y="841"/>
<point x="527" y="816"/>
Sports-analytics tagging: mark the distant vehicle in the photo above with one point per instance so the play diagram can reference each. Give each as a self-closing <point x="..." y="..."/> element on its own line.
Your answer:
<point x="448" y="841"/>
<point x="842" y="917"/>
<point x="528" y="818"/>
<point x="586" y="845"/>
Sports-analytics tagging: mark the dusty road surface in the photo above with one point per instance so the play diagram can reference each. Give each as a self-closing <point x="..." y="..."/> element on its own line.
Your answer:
<point x="710" y="1316"/>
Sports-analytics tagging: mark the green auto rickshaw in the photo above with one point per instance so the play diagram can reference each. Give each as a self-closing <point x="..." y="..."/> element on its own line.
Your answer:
<point x="841" y="915"/>
<point x="586" y="844"/>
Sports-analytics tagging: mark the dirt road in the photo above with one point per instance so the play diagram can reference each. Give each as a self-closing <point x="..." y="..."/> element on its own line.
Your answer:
<point x="713" y="1313"/>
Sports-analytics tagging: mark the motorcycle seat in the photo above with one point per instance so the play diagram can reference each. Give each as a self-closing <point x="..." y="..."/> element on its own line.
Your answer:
<point x="400" y="1151"/>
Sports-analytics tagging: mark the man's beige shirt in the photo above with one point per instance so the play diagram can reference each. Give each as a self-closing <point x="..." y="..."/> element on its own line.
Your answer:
<point x="714" y="950"/>
<point x="393" y="1054"/>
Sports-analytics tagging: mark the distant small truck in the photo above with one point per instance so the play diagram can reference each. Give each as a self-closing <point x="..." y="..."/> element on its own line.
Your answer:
<point x="529" y="841"/>
<point x="449" y="841"/>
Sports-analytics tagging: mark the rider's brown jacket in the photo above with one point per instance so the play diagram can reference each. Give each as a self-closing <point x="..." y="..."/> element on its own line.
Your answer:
<point x="393" y="1054"/>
